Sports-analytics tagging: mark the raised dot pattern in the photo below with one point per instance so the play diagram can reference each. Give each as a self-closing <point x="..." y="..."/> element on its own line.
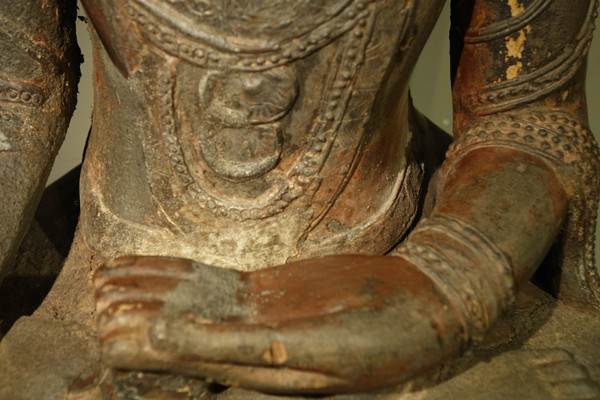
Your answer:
<point x="480" y="291"/>
<point x="561" y="139"/>
<point x="194" y="51"/>
<point x="24" y="96"/>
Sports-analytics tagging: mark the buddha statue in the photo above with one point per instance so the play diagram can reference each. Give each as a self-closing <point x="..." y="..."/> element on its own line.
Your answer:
<point x="264" y="212"/>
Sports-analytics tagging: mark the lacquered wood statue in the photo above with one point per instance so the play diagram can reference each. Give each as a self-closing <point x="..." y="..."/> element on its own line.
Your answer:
<point x="264" y="211"/>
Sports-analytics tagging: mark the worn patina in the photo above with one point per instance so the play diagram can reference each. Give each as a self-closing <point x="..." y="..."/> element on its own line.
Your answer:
<point x="263" y="210"/>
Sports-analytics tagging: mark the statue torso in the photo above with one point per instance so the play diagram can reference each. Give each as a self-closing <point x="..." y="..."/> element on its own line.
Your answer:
<point x="247" y="134"/>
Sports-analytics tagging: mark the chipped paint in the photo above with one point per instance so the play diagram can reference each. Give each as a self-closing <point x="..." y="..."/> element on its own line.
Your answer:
<point x="514" y="70"/>
<point x="276" y="354"/>
<point x="279" y="352"/>
<point x="515" y="46"/>
<point x="516" y="8"/>
<point x="4" y="143"/>
<point x="514" y="50"/>
<point x="112" y="288"/>
<point x="185" y="389"/>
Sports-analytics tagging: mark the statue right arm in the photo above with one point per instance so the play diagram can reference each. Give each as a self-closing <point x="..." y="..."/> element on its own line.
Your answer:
<point x="39" y="70"/>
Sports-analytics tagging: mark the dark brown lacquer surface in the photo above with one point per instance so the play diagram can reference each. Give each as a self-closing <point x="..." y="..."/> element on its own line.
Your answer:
<point x="265" y="214"/>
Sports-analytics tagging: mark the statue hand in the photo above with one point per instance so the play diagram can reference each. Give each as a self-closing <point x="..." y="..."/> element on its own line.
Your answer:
<point x="343" y="323"/>
<point x="335" y="323"/>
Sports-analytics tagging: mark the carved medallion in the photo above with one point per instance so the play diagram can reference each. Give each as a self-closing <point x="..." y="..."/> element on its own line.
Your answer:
<point x="241" y="138"/>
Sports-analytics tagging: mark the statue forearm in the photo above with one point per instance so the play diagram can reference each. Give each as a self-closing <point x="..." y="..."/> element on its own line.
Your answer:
<point x="519" y="85"/>
<point x="497" y="215"/>
<point x="39" y="70"/>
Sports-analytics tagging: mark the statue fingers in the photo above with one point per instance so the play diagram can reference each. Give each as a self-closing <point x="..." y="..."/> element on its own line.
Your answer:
<point x="355" y="349"/>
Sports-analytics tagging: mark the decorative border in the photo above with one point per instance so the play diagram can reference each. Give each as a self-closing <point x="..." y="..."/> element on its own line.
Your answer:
<point x="480" y="291"/>
<point x="209" y="53"/>
<point x="505" y="27"/>
<point x="552" y="134"/>
<point x="27" y="96"/>
<point x="529" y="87"/>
